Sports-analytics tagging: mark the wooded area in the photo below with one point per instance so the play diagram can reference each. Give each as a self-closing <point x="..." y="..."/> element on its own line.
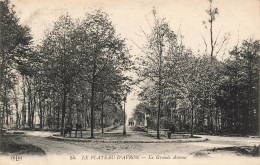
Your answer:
<point x="75" y="76"/>
<point x="78" y="75"/>
<point x="197" y="91"/>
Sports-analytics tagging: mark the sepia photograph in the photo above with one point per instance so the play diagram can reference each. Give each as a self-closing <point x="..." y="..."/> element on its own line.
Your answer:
<point x="129" y="82"/>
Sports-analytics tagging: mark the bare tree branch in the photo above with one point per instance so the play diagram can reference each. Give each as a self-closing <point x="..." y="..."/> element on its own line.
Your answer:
<point x="206" y="49"/>
<point x="222" y="43"/>
<point x="138" y="46"/>
<point x="148" y="22"/>
<point x="218" y="36"/>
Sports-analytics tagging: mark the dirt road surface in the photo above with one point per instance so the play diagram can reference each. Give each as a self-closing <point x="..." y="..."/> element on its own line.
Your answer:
<point x="185" y="150"/>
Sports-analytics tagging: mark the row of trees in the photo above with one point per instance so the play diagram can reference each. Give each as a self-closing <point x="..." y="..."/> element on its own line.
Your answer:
<point x="75" y="76"/>
<point x="198" y="92"/>
<point x="14" y="42"/>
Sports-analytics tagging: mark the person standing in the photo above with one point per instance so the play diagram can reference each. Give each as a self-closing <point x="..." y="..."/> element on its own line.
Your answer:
<point x="171" y="129"/>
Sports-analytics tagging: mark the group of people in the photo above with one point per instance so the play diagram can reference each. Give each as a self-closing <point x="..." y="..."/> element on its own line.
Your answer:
<point x="69" y="129"/>
<point x="131" y="123"/>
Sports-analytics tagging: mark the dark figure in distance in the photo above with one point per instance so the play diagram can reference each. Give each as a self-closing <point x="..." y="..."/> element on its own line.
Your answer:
<point x="78" y="127"/>
<point x="171" y="129"/>
<point x="68" y="129"/>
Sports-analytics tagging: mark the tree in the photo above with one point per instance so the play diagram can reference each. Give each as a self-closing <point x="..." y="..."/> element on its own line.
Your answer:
<point x="240" y="89"/>
<point x="161" y="41"/>
<point x="139" y="112"/>
<point x="60" y="64"/>
<point x="216" y="46"/>
<point x="14" y="41"/>
<point x="100" y="49"/>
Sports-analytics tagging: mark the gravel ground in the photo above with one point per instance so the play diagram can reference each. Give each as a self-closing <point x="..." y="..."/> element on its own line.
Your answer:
<point x="50" y="147"/>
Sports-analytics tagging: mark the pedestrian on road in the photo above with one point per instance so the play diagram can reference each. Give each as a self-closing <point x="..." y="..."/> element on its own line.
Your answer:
<point x="171" y="129"/>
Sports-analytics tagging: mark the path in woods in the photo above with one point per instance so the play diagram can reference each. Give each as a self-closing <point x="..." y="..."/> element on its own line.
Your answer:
<point x="55" y="147"/>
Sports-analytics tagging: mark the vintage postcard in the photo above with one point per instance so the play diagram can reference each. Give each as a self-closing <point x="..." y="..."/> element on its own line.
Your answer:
<point x="129" y="82"/>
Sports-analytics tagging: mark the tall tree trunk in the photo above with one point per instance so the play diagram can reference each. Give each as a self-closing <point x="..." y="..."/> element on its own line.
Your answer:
<point x="93" y="95"/>
<point x="29" y="114"/>
<point x="64" y="86"/>
<point x="40" y="108"/>
<point x="203" y="114"/>
<point x="160" y="91"/>
<point x="58" y="118"/>
<point x="33" y="109"/>
<point x="24" y="104"/>
<point x="158" y="117"/>
<point x="191" y="129"/>
<point x="102" y="116"/>
<point x="2" y="69"/>
<point x="87" y="118"/>
<point x="17" y="114"/>
<point x="16" y="107"/>
<point x="216" y="121"/>
<point x="29" y="103"/>
<point x="63" y="110"/>
<point x="92" y="109"/>
<point x="3" y="116"/>
<point x="250" y="98"/>
<point x="70" y="111"/>
<point x="257" y="117"/>
<point x="43" y="114"/>
<point x="6" y="105"/>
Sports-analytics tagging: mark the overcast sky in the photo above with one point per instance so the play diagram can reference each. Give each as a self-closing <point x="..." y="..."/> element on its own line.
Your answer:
<point x="240" y="18"/>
